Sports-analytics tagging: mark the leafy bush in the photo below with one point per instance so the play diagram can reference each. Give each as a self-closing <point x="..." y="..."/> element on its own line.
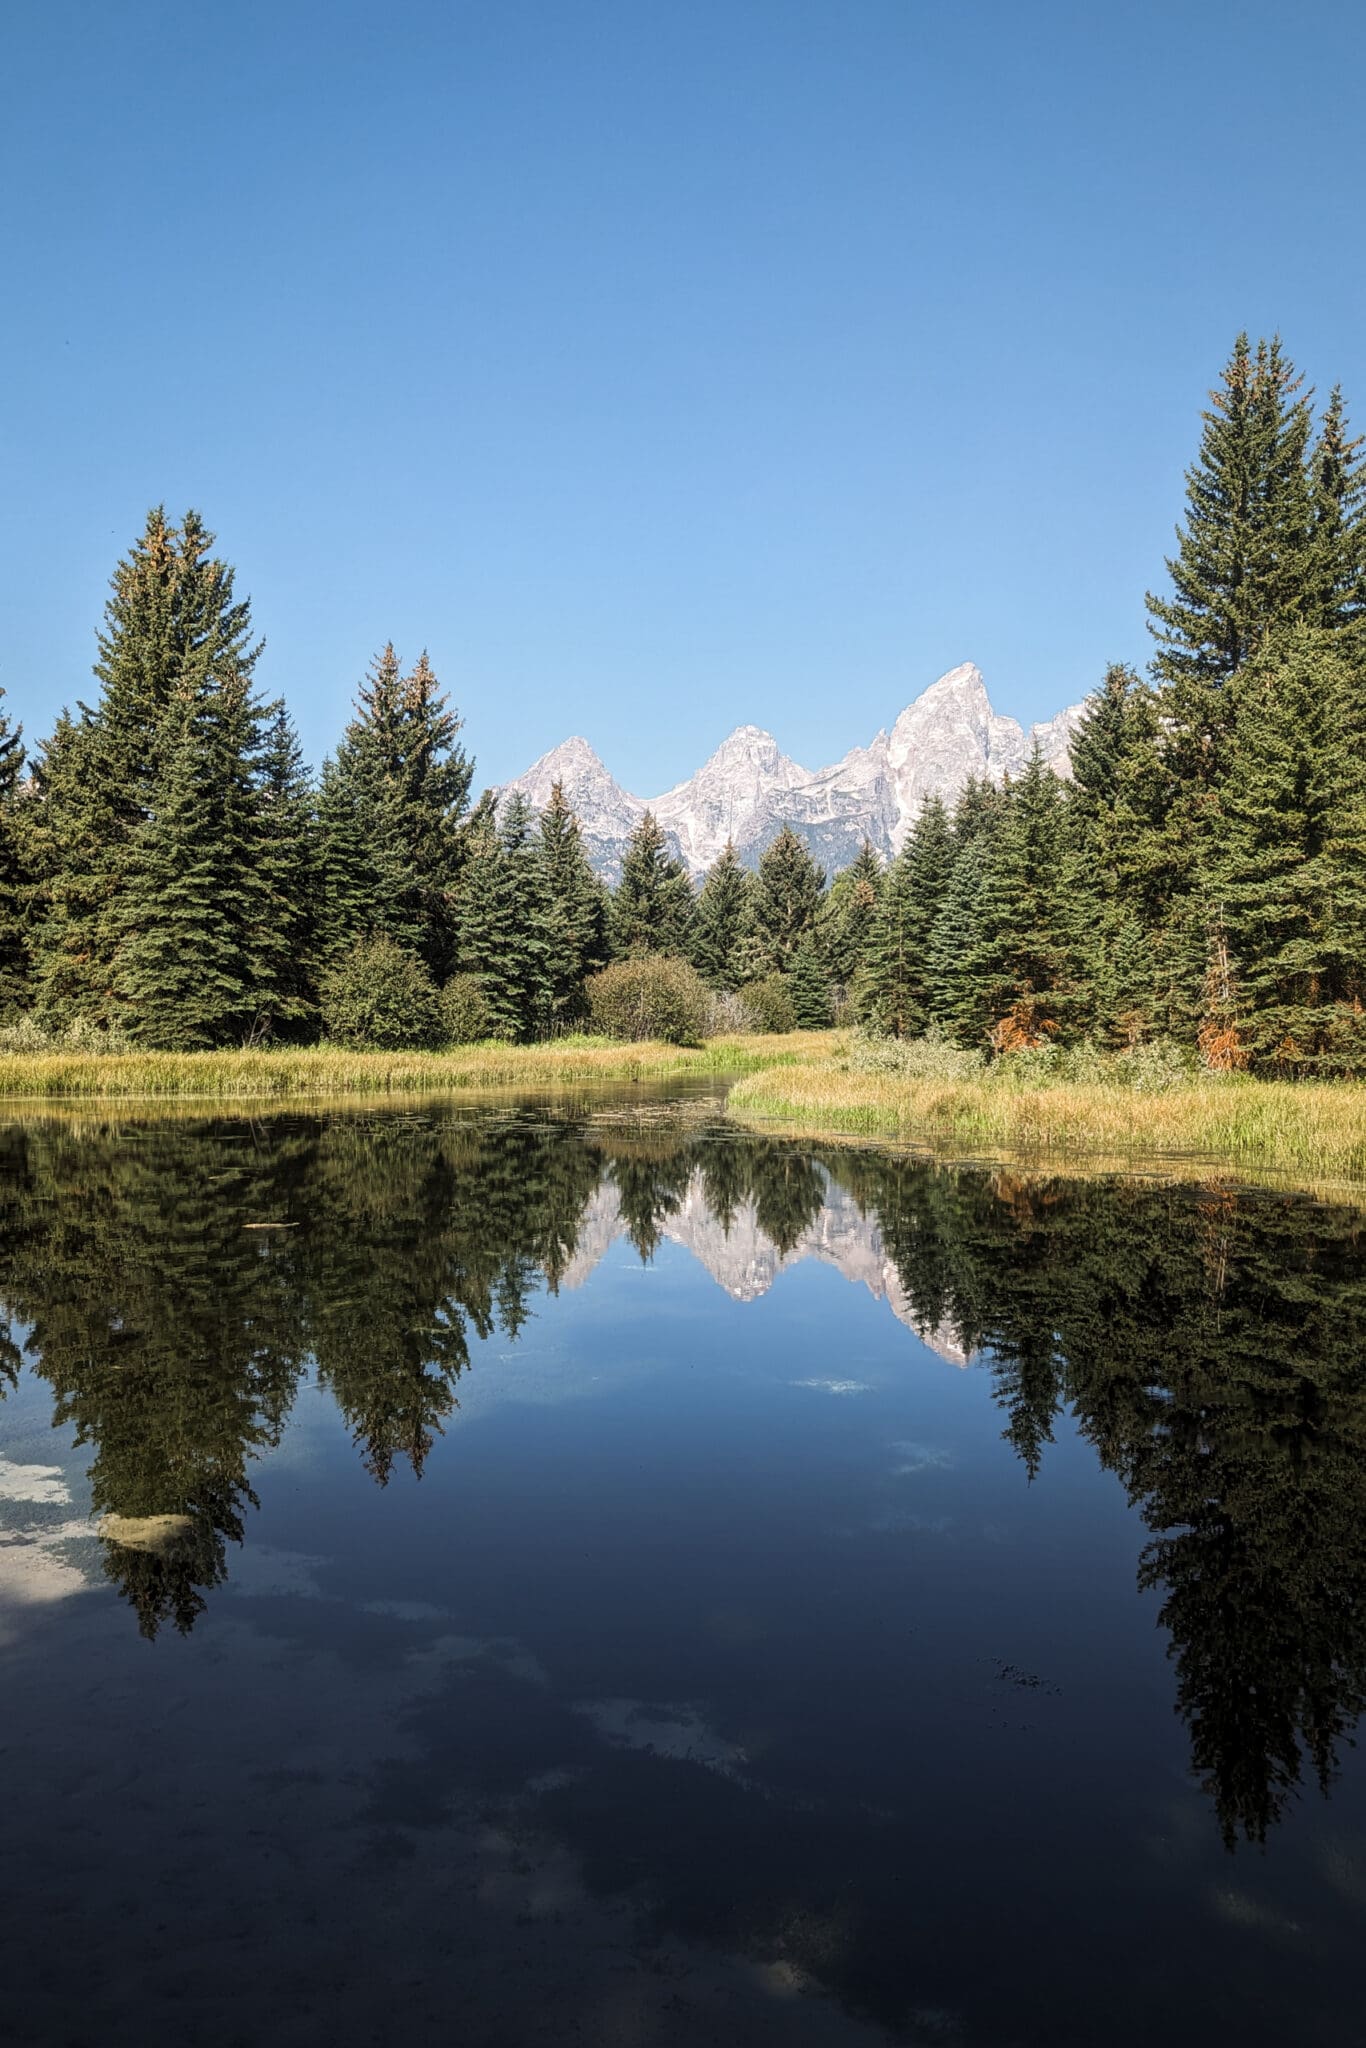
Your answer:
<point x="1150" y="1069"/>
<point x="655" y="996"/>
<point x="28" y="1033"/>
<point x="727" y="1014"/>
<point x="1157" y="1066"/>
<point x="465" y="1013"/>
<point x="379" y="996"/>
<point x="770" y="1000"/>
<point x="931" y="1058"/>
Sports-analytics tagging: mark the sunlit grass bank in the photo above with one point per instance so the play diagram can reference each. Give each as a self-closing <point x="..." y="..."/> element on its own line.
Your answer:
<point x="322" y="1071"/>
<point x="1306" y="1128"/>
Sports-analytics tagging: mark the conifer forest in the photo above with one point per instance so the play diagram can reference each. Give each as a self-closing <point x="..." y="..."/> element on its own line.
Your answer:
<point x="172" y="874"/>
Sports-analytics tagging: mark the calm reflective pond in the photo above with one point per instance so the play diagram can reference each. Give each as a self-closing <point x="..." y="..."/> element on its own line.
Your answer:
<point x="588" y="1575"/>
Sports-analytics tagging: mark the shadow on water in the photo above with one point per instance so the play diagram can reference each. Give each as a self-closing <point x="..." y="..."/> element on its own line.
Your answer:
<point x="178" y="1286"/>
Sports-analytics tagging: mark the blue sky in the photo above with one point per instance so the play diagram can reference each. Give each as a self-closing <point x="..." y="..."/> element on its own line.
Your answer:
<point x="659" y="367"/>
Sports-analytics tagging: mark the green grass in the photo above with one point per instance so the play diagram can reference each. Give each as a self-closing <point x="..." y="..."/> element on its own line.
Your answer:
<point x="324" y="1071"/>
<point x="1312" y="1131"/>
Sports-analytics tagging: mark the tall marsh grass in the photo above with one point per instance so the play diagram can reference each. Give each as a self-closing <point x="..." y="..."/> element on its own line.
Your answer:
<point x="1152" y="1103"/>
<point x="322" y="1071"/>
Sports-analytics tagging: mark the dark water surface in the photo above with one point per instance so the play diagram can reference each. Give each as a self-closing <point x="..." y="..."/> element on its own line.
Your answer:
<point x="593" y="1576"/>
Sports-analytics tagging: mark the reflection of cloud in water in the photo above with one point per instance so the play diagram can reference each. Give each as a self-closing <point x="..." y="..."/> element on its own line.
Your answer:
<point x="39" y="1559"/>
<point x="915" y="1457"/>
<point x="835" y="1386"/>
<point x="38" y="1565"/>
<point x="258" y="1572"/>
<point x="504" y="1652"/>
<point x="1242" y="1910"/>
<point x="405" y="1610"/>
<point x="895" y="1521"/>
<point x="41" y="1484"/>
<point x="662" y="1729"/>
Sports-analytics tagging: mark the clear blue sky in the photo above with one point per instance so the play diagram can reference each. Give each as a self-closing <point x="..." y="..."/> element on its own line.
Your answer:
<point x="659" y="364"/>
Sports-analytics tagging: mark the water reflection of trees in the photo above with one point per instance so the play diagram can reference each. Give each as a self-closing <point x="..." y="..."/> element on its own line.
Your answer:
<point x="1210" y="1345"/>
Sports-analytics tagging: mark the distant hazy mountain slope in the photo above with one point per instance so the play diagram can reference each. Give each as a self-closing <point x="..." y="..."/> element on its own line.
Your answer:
<point x="749" y="788"/>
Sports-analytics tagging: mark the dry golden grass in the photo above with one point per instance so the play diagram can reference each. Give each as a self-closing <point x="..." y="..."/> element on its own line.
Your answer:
<point x="1305" y="1129"/>
<point x="321" y="1071"/>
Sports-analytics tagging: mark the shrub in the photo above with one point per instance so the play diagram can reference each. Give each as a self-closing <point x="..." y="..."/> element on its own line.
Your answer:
<point x="727" y="1013"/>
<point x="379" y="996"/>
<point x="465" y="1013"/>
<point x="25" y="1032"/>
<point x="770" y="1001"/>
<point x="655" y="996"/>
<point x="931" y="1058"/>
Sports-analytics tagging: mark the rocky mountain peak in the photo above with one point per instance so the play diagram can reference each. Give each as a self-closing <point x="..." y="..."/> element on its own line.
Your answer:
<point x="748" y="788"/>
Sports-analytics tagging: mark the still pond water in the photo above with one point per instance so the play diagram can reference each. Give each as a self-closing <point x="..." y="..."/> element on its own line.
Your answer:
<point x="586" y="1575"/>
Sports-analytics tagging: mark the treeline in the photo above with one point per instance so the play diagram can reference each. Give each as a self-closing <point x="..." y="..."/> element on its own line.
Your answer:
<point x="171" y="873"/>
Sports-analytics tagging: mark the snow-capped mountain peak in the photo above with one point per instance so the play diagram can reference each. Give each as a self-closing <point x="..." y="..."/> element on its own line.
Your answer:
<point x="748" y="789"/>
<point x="730" y="797"/>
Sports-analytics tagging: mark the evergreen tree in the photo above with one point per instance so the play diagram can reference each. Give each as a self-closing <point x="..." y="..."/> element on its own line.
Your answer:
<point x="954" y="994"/>
<point x="896" y="990"/>
<point x="1246" y="556"/>
<point x="1338" y="477"/>
<point x="576" y="910"/>
<point x="394" y="815"/>
<point x="173" y="632"/>
<point x="809" y="982"/>
<point x="503" y="928"/>
<point x="1020" y="967"/>
<point x="722" y="910"/>
<point x="850" y="911"/>
<point x="351" y="896"/>
<point x="784" y="905"/>
<point x="288" y="861"/>
<point x="1115" y="804"/>
<point x="1291" y="871"/>
<point x="14" y="876"/>
<point x="190" y="970"/>
<point x="1243" y="555"/>
<point x="652" y="908"/>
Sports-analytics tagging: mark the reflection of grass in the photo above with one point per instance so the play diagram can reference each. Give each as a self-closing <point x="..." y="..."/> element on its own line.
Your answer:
<point x="1314" y="1128"/>
<point x="321" y="1071"/>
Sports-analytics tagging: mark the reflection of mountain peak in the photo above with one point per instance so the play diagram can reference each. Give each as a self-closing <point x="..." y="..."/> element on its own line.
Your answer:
<point x="743" y="1260"/>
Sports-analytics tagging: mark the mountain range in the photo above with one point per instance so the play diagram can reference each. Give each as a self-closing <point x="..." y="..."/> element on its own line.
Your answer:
<point x="743" y="1260"/>
<point x="749" y="788"/>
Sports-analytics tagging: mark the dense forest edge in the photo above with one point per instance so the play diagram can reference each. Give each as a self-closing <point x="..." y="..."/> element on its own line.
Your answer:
<point x="1186" y="913"/>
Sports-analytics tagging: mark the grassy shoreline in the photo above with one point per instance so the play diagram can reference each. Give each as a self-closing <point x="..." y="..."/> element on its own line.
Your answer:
<point x="801" y="1083"/>
<point x="1316" y="1129"/>
<point x="315" y="1072"/>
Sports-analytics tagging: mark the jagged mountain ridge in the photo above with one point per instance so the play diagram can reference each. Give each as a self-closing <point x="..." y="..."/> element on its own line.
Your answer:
<point x="749" y="788"/>
<point x="743" y="1260"/>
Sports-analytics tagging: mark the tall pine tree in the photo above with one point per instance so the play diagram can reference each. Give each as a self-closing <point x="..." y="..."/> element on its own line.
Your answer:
<point x="15" y="981"/>
<point x="1246" y="557"/>
<point x="394" y="814"/>
<point x="1020" y="969"/>
<point x="896" y="988"/>
<point x="722" y="910"/>
<point x="784" y="905"/>
<point x="174" y="632"/>
<point x="850" y="910"/>
<point x="652" y="907"/>
<point x="503" y="926"/>
<point x="1290" y="877"/>
<point x="576" y="911"/>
